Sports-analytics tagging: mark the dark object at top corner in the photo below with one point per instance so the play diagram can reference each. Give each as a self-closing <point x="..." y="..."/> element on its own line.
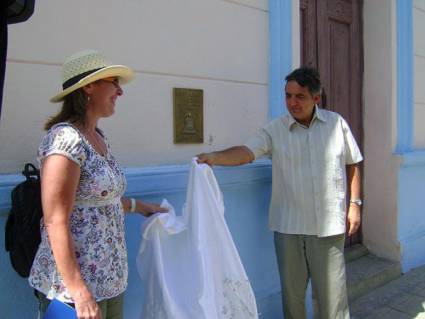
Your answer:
<point x="19" y="10"/>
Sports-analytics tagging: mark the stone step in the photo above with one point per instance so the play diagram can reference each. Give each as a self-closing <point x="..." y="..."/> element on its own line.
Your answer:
<point x="354" y="252"/>
<point x="369" y="272"/>
<point x="402" y="298"/>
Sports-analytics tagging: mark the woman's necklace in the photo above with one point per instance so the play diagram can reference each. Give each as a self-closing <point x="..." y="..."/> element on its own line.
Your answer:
<point x="96" y="142"/>
<point x="99" y="144"/>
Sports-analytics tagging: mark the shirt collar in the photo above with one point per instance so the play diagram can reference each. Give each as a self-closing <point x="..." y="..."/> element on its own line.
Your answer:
<point x="318" y="114"/>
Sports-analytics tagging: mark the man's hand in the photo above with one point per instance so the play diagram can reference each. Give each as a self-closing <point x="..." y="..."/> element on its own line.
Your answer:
<point x="354" y="183"/>
<point x="233" y="156"/>
<point x="353" y="218"/>
<point x="207" y="158"/>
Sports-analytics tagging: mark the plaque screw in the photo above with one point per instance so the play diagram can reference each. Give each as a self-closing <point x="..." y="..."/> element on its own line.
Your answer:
<point x="210" y="139"/>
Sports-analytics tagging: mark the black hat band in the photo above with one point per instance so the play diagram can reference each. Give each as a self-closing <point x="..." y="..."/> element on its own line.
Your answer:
<point x="70" y="82"/>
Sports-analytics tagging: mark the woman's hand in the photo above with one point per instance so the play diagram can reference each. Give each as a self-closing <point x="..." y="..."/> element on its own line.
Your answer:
<point x="148" y="209"/>
<point x="86" y="306"/>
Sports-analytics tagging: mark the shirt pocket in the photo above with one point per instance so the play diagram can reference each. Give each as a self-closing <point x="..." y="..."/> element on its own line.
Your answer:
<point x="339" y="182"/>
<point x="340" y="189"/>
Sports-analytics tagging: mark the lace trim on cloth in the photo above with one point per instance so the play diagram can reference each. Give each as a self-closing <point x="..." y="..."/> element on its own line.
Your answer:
<point x="237" y="297"/>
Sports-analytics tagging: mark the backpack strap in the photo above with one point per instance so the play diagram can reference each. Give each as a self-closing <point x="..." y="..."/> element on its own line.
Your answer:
<point x="30" y="170"/>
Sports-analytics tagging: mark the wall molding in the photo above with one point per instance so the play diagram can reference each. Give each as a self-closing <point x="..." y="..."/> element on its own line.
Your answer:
<point x="413" y="237"/>
<point x="159" y="180"/>
<point x="411" y="251"/>
<point x="171" y="179"/>
<point x="414" y="158"/>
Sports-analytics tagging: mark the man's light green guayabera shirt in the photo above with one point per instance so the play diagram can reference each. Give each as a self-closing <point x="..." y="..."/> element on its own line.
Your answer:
<point x="309" y="172"/>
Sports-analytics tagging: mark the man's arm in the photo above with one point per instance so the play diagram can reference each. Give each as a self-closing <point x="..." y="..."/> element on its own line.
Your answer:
<point x="354" y="183"/>
<point x="233" y="156"/>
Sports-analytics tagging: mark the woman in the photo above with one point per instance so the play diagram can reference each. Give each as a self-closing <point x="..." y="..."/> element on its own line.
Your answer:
<point x="82" y="257"/>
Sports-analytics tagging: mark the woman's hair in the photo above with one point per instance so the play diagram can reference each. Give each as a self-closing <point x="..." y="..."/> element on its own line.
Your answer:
<point x="73" y="109"/>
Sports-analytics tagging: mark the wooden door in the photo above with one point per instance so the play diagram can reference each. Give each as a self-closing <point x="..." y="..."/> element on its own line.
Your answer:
<point x="331" y="41"/>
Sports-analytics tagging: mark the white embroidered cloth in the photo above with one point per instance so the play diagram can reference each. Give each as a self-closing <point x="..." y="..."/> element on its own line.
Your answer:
<point x="189" y="264"/>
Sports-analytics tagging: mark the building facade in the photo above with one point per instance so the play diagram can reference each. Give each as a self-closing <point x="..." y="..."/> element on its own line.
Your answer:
<point x="238" y="52"/>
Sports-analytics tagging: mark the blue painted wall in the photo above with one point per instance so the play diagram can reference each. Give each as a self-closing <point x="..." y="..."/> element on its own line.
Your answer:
<point x="411" y="177"/>
<point x="246" y="191"/>
<point x="404" y="76"/>
<point x="411" y="200"/>
<point x="280" y="26"/>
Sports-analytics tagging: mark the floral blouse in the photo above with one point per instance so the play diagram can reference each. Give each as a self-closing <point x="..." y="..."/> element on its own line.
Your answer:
<point x="96" y="221"/>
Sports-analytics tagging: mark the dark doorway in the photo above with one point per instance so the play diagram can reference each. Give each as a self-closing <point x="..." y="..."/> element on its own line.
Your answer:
<point x="332" y="41"/>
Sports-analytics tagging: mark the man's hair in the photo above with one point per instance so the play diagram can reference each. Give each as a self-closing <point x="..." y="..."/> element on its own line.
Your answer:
<point x="306" y="77"/>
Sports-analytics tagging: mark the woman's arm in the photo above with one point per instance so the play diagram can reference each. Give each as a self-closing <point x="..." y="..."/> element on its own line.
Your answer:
<point x="59" y="181"/>
<point x="146" y="209"/>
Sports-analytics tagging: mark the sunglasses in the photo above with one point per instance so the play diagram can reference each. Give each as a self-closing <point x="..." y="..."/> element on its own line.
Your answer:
<point x="115" y="81"/>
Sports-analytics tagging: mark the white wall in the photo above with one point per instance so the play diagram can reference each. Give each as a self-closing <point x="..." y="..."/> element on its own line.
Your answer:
<point x="419" y="72"/>
<point x="380" y="165"/>
<point x="220" y="46"/>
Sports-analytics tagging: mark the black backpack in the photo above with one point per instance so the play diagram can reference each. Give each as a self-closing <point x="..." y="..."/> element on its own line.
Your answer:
<point x="22" y="235"/>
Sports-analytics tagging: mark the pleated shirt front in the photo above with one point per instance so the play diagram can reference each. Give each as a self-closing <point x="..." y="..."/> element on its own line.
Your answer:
<point x="309" y="172"/>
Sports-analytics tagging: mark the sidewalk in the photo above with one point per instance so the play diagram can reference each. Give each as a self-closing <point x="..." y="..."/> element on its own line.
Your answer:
<point x="403" y="298"/>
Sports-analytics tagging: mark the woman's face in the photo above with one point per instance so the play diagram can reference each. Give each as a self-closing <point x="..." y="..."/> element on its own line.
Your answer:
<point x="103" y="95"/>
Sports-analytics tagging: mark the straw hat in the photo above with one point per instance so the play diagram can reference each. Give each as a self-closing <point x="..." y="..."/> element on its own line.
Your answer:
<point x="86" y="67"/>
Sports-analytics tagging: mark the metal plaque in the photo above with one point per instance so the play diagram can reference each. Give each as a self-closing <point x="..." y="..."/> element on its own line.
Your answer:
<point x="188" y="116"/>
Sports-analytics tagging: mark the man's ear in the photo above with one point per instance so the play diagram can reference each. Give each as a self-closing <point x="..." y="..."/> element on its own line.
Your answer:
<point x="316" y="98"/>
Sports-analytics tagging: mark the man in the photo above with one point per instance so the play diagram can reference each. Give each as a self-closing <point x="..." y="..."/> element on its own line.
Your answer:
<point x="313" y="155"/>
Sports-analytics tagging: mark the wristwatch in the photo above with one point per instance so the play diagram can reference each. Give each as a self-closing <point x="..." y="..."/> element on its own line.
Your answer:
<point x="356" y="201"/>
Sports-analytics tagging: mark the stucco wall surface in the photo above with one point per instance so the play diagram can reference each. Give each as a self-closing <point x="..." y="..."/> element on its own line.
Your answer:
<point x="380" y="165"/>
<point x="220" y="46"/>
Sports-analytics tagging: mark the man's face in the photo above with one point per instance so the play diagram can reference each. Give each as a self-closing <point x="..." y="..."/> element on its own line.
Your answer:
<point x="300" y="102"/>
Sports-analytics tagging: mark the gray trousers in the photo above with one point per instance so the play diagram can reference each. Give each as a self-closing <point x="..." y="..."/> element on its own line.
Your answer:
<point x="321" y="259"/>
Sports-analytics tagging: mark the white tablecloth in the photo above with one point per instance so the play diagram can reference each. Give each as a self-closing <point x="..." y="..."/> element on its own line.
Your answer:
<point x="189" y="264"/>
